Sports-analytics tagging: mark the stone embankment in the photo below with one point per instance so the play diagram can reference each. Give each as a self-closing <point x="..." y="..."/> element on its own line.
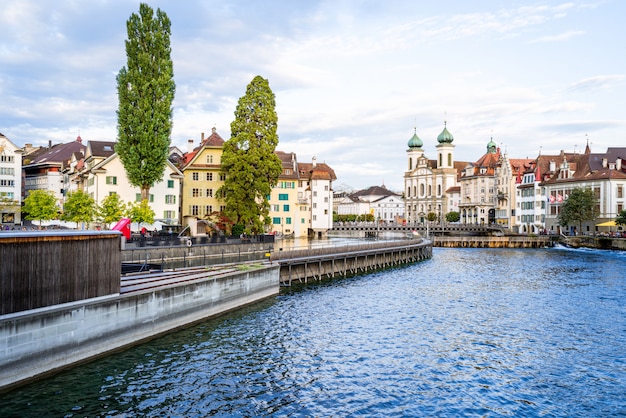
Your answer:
<point x="316" y="264"/>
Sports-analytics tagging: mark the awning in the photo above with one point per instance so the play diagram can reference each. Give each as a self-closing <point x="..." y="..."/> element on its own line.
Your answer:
<point x="608" y="223"/>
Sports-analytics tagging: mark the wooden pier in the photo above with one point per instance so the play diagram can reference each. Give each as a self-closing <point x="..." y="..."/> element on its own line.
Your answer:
<point x="541" y="241"/>
<point x="316" y="264"/>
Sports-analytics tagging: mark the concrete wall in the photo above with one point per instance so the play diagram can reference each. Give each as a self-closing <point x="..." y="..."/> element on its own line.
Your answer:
<point x="43" y="340"/>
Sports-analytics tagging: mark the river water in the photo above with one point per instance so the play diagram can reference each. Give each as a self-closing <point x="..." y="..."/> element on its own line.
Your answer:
<point x="472" y="332"/>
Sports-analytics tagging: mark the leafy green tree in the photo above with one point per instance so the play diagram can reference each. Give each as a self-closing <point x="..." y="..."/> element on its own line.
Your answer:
<point x="40" y="205"/>
<point x="453" y="216"/>
<point x="248" y="159"/>
<point x="431" y="216"/>
<point x="112" y="209"/>
<point x="79" y="207"/>
<point x="146" y="90"/>
<point x="578" y="208"/>
<point x="141" y="212"/>
<point x="621" y="218"/>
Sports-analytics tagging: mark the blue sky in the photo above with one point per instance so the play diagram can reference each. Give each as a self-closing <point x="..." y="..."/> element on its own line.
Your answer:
<point x="352" y="79"/>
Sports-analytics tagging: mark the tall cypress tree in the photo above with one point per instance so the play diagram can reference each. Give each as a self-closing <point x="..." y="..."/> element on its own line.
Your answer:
<point x="248" y="159"/>
<point x="146" y="90"/>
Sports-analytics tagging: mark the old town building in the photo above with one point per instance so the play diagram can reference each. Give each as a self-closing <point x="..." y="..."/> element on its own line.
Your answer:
<point x="426" y="182"/>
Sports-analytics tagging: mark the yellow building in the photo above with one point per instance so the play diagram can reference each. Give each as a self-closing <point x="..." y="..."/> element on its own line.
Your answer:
<point x="289" y="209"/>
<point x="202" y="179"/>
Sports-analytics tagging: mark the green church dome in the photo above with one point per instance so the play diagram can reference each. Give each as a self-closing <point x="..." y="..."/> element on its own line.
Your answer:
<point x="415" y="141"/>
<point x="445" y="137"/>
<point x="492" y="147"/>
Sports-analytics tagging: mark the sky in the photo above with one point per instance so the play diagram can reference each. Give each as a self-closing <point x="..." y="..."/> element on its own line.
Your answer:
<point x="353" y="79"/>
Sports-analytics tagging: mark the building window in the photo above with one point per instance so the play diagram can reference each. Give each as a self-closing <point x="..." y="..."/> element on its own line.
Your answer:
<point x="193" y="209"/>
<point x="276" y="221"/>
<point x="449" y="160"/>
<point x="169" y="214"/>
<point x="170" y="184"/>
<point x="283" y="196"/>
<point x="195" y="192"/>
<point x="285" y="208"/>
<point x="7" y="183"/>
<point x="209" y="159"/>
<point x="209" y="176"/>
<point x="195" y="176"/>
<point x="112" y="193"/>
<point x="275" y="208"/>
<point x="620" y="191"/>
<point x="111" y="180"/>
<point x="6" y="158"/>
<point x="222" y="177"/>
<point x="209" y="192"/>
<point x="170" y="199"/>
<point x="288" y="221"/>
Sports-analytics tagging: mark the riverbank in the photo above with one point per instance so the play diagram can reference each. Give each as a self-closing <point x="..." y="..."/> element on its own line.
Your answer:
<point x="41" y="341"/>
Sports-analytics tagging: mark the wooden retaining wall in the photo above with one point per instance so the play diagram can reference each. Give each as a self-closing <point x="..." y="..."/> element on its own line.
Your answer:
<point x="493" y="242"/>
<point x="46" y="268"/>
<point x="324" y="263"/>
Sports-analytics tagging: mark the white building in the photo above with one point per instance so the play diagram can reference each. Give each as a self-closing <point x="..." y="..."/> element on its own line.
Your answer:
<point x="10" y="182"/>
<point x="603" y="173"/>
<point x="104" y="174"/>
<point x="426" y="181"/>
<point x="316" y="179"/>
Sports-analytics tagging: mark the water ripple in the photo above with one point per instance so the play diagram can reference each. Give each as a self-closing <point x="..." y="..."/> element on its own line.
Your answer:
<point x="469" y="333"/>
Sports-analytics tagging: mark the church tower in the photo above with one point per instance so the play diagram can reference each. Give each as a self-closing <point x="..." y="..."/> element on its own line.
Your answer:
<point x="445" y="149"/>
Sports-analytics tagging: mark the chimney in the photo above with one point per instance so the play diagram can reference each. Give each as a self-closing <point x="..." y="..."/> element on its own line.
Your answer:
<point x="314" y="161"/>
<point x="213" y="130"/>
<point x="49" y="144"/>
<point x="618" y="164"/>
<point x="552" y="166"/>
<point x="605" y="162"/>
<point x="202" y="137"/>
<point x="190" y="145"/>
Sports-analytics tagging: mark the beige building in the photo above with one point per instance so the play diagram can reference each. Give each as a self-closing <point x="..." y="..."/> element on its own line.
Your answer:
<point x="427" y="181"/>
<point x="202" y="178"/>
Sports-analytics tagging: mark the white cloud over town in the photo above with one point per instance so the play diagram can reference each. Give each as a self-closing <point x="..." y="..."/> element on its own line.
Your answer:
<point x="352" y="78"/>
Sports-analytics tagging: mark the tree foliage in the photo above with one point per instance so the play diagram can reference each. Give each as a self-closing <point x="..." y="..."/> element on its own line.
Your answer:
<point x="621" y="218"/>
<point x="141" y="212"/>
<point x="145" y="89"/>
<point x="453" y="216"/>
<point x="248" y="159"/>
<point x="578" y="208"/>
<point x="112" y="209"/>
<point x="40" y="205"/>
<point x="79" y="207"/>
<point x="431" y="216"/>
<point x="9" y="205"/>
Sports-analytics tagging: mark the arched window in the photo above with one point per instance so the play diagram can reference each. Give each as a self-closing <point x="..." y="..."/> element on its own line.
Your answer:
<point x="440" y="160"/>
<point x="422" y="189"/>
<point x="430" y="190"/>
<point x="439" y="190"/>
<point x="410" y="163"/>
<point x="449" y="159"/>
